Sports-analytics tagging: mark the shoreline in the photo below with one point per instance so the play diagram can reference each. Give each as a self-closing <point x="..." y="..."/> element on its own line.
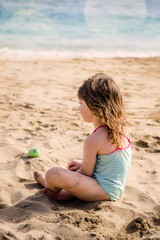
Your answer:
<point x="89" y="54"/>
<point x="85" y="59"/>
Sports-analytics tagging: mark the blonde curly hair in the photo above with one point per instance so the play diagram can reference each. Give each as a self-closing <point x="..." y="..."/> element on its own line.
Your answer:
<point x="104" y="99"/>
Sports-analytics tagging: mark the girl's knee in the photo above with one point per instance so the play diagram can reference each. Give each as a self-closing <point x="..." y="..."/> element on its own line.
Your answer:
<point x="62" y="178"/>
<point x="52" y="173"/>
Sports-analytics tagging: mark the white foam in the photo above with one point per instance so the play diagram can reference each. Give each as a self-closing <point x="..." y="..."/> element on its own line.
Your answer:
<point x="29" y="54"/>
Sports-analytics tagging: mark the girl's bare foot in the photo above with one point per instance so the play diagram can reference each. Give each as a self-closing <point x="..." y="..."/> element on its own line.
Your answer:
<point x="59" y="196"/>
<point x="39" y="178"/>
<point x="63" y="195"/>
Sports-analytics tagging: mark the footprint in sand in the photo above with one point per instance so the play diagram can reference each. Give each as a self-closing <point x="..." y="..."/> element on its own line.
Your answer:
<point x="142" y="144"/>
<point x="138" y="224"/>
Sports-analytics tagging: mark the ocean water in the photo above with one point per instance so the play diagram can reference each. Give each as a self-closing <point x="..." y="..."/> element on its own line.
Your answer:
<point x="80" y="28"/>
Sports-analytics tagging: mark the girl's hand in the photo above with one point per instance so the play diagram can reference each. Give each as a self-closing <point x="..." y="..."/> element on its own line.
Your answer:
<point x="74" y="165"/>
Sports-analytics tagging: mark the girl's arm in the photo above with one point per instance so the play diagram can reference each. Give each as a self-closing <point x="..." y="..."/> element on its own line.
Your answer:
<point x="89" y="156"/>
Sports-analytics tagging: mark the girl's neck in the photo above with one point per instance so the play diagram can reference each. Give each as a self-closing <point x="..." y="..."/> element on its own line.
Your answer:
<point x="98" y="128"/>
<point x="97" y="124"/>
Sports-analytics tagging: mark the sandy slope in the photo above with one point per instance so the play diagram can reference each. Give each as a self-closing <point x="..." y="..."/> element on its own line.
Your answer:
<point x="39" y="108"/>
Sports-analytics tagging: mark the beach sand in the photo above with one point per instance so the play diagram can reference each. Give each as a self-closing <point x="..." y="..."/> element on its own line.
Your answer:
<point x="39" y="108"/>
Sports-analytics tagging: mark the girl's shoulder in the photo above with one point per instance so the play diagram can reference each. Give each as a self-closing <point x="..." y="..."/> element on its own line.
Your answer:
<point x="100" y="141"/>
<point x="91" y="139"/>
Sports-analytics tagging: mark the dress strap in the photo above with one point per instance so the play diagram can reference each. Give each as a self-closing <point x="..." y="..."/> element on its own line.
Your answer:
<point x="98" y="128"/>
<point x="129" y="143"/>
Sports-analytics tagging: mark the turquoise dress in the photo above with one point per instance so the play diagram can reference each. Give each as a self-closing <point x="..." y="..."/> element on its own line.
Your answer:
<point x="111" y="171"/>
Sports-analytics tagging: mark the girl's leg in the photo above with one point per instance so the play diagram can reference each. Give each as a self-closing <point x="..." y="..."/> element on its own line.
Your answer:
<point x="62" y="195"/>
<point x="78" y="185"/>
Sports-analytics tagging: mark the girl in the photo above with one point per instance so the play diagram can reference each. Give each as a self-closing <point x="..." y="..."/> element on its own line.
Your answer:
<point x="102" y="173"/>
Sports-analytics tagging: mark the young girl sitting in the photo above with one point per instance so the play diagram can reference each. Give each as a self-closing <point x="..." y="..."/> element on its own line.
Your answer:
<point x="101" y="175"/>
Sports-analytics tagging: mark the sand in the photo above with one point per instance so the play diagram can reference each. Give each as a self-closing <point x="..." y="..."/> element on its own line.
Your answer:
<point x="39" y="108"/>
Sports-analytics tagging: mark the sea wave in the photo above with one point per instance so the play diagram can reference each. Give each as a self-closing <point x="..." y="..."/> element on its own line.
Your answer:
<point x="29" y="54"/>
